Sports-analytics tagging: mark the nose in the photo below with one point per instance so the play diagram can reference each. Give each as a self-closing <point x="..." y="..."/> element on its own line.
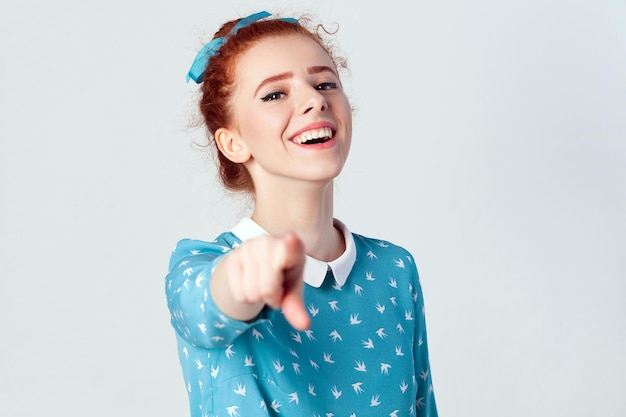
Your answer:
<point x="313" y="100"/>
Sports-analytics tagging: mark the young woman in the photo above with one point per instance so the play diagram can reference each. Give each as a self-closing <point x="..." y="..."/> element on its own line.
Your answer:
<point x="289" y="313"/>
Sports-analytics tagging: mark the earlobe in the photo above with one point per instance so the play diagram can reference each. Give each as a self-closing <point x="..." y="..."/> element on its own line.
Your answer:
<point x="230" y="144"/>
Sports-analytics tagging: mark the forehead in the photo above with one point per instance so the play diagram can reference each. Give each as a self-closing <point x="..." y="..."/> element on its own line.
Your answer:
<point x="279" y="54"/>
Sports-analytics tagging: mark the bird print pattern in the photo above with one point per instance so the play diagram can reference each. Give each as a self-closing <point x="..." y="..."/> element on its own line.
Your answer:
<point x="365" y="353"/>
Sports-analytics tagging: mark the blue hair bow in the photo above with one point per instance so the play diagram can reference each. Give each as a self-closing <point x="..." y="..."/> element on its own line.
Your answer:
<point x="210" y="49"/>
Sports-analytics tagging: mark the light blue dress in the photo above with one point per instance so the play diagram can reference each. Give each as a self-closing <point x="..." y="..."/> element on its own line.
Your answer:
<point x="365" y="353"/>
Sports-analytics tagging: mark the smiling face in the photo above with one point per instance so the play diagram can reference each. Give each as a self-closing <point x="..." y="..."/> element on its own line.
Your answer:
<point x="291" y="118"/>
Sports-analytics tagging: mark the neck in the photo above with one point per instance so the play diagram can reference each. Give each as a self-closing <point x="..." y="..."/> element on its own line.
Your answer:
<point x="307" y="211"/>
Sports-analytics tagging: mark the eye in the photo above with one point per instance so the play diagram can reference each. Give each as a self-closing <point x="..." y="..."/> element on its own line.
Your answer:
<point x="326" y="86"/>
<point x="275" y="95"/>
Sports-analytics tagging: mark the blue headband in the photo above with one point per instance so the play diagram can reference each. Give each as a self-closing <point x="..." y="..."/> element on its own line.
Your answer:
<point x="212" y="48"/>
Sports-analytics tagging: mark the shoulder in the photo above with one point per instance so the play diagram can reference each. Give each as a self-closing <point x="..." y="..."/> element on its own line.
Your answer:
<point x="199" y="248"/>
<point x="375" y="245"/>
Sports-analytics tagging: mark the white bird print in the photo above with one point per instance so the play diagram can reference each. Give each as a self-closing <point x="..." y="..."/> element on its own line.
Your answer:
<point x="400" y="328"/>
<point x="404" y="386"/>
<point x="357" y="387"/>
<point x="328" y="358"/>
<point x="278" y="366"/>
<point x="335" y="335"/>
<point x="187" y="272"/>
<point x="408" y="315"/>
<point x="296" y="336"/>
<point x="202" y="327"/>
<point x="199" y="364"/>
<point x="229" y="351"/>
<point x="312" y="390"/>
<point x="336" y="393"/>
<point x="420" y="402"/>
<point x="369" y="276"/>
<point x="263" y="405"/>
<point x="399" y="263"/>
<point x="358" y="289"/>
<point x="186" y="352"/>
<point x="424" y="374"/>
<point x="368" y="344"/>
<point x="296" y="368"/>
<point x="183" y="263"/>
<point x="275" y="405"/>
<point x="217" y="338"/>
<point x="393" y="301"/>
<point x="384" y="368"/>
<point x="392" y="282"/>
<point x="371" y="255"/>
<point x="293" y="397"/>
<point x="232" y="411"/>
<point x="394" y="413"/>
<point x="314" y="365"/>
<point x="240" y="390"/>
<point x="420" y="341"/>
<point x="199" y="279"/>
<point x="215" y="371"/>
<point x="200" y="384"/>
<point x="294" y="353"/>
<point x="360" y="366"/>
<point x="380" y="308"/>
<point x="333" y="306"/>
<point x="375" y="401"/>
<point x="219" y="325"/>
<point x="354" y="319"/>
<point x="309" y="334"/>
<point x="257" y="334"/>
<point x="313" y="310"/>
<point x="381" y="333"/>
<point x="383" y="244"/>
<point x="399" y="351"/>
<point x="337" y="286"/>
<point x="248" y="361"/>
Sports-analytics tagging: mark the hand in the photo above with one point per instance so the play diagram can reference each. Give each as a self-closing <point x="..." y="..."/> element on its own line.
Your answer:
<point x="263" y="271"/>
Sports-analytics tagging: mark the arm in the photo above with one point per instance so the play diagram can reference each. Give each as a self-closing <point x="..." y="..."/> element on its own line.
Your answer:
<point x="425" y="405"/>
<point x="214" y="292"/>
<point x="193" y="312"/>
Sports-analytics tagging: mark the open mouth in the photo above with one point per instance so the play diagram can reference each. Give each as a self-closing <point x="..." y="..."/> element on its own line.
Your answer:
<point x="314" y="136"/>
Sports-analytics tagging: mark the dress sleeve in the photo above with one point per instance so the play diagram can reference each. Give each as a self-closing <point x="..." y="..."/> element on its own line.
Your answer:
<point x="194" y="314"/>
<point x="425" y="405"/>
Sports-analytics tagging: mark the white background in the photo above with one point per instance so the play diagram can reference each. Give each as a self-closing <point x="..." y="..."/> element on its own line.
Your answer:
<point x="490" y="140"/>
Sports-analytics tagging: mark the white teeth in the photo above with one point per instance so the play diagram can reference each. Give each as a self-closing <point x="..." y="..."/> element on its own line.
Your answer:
<point x="324" y="132"/>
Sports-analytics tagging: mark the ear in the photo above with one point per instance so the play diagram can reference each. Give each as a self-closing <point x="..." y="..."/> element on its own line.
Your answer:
<point x="230" y="144"/>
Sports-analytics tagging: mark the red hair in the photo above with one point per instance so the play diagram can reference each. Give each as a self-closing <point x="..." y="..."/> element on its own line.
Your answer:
<point x="219" y="80"/>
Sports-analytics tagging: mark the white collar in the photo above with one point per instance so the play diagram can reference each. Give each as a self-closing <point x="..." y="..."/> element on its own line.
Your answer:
<point x="314" y="269"/>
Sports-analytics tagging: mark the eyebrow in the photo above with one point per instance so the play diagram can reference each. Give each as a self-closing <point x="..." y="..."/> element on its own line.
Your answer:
<point x="285" y="75"/>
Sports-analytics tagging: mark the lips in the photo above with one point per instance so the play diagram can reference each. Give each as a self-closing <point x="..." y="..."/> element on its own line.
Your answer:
<point x="314" y="136"/>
